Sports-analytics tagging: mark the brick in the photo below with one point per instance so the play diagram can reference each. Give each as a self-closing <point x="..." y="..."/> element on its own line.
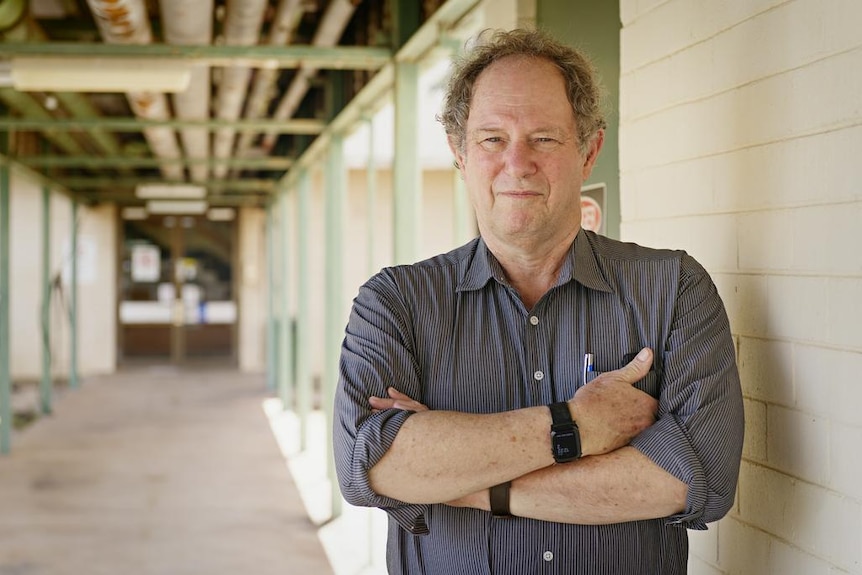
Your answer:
<point x="798" y="443"/>
<point x="766" y="499"/>
<point x="846" y="465"/>
<point x="765" y="370"/>
<point x="754" y="445"/>
<point x="697" y="566"/>
<point x="796" y="307"/>
<point x="826" y="240"/>
<point x="793" y="104"/>
<point x="742" y="549"/>
<point x="695" y="72"/>
<point x="755" y="254"/>
<point x="673" y="26"/>
<point x="845" y="314"/>
<point x="744" y="297"/>
<point x="684" y="189"/>
<point x="827" y="382"/>
<point x="704" y="544"/>
<point x="828" y="524"/>
<point x="785" y="559"/>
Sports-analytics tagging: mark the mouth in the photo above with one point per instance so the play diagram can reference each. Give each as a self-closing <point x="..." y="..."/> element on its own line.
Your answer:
<point x="519" y="194"/>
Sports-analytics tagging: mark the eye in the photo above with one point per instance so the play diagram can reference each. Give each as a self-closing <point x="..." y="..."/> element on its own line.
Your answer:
<point x="492" y="143"/>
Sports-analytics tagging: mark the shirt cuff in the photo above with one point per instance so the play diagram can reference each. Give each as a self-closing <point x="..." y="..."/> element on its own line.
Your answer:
<point x="373" y="440"/>
<point x="666" y="443"/>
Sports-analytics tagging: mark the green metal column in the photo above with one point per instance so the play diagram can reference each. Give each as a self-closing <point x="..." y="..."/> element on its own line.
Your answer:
<point x="285" y="350"/>
<point x="46" y="386"/>
<point x="407" y="176"/>
<point x="271" y="361"/>
<point x="73" y="304"/>
<point x="303" y="326"/>
<point x="336" y="316"/>
<point x="371" y="197"/>
<point x="5" y="370"/>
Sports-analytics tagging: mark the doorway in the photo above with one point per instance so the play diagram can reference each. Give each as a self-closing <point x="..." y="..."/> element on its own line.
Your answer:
<point x="177" y="296"/>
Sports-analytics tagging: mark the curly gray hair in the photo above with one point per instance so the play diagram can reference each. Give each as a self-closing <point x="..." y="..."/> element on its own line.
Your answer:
<point x="582" y="86"/>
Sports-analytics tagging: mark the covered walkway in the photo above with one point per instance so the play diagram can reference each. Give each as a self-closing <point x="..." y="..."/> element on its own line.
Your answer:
<point x="155" y="470"/>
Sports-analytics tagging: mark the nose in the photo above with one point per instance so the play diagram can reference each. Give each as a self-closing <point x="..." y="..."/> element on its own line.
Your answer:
<point x="520" y="159"/>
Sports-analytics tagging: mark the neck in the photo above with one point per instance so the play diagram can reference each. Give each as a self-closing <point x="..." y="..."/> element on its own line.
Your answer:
<point x="532" y="269"/>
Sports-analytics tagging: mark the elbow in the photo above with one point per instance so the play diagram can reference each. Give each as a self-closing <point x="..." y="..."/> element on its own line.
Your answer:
<point x="718" y="505"/>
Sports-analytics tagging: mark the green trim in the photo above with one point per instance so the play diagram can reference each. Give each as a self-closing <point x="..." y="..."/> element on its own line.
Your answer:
<point x="260" y="56"/>
<point x="53" y="125"/>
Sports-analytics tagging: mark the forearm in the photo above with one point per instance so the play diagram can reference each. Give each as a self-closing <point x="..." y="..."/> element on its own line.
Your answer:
<point x="439" y="456"/>
<point x="620" y="486"/>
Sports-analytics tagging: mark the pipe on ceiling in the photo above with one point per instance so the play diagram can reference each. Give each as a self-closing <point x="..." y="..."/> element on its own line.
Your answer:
<point x="189" y="22"/>
<point x="126" y="22"/>
<point x="338" y="14"/>
<point x="286" y="20"/>
<point x="242" y="27"/>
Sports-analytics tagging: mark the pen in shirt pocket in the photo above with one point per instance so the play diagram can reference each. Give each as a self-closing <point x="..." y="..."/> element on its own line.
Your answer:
<point x="589" y="365"/>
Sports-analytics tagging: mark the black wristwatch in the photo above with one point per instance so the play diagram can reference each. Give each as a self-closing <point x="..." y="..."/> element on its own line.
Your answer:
<point x="565" y="436"/>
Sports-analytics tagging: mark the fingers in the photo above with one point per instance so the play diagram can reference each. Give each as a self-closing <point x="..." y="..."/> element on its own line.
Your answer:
<point x="637" y="368"/>
<point x="395" y="394"/>
<point x="396" y="400"/>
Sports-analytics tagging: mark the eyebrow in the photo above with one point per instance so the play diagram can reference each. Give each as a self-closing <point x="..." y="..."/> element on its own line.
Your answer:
<point x="555" y="131"/>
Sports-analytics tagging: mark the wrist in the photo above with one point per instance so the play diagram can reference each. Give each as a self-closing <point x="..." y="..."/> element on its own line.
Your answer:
<point x="498" y="496"/>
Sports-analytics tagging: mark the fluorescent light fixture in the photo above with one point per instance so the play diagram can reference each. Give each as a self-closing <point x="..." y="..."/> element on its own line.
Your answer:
<point x="170" y="192"/>
<point x="135" y="213"/>
<point x="221" y="214"/>
<point x="54" y="74"/>
<point x="177" y="207"/>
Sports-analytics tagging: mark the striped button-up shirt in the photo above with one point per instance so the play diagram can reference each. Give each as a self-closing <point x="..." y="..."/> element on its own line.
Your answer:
<point x="451" y="333"/>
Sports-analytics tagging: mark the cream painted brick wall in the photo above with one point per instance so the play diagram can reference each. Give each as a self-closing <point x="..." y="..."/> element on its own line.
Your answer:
<point x="740" y="132"/>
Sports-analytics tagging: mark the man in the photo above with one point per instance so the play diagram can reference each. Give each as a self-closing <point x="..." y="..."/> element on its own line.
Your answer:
<point x="542" y="399"/>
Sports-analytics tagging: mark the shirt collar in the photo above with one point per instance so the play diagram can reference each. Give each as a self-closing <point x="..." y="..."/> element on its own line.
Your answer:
<point x="581" y="265"/>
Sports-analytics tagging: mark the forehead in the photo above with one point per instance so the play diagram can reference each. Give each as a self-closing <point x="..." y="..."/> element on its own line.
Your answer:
<point x="518" y="85"/>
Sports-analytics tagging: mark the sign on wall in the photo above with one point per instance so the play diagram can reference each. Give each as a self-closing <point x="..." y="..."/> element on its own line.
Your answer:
<point x="146" y="263"/>
<point x="87" y="260"/>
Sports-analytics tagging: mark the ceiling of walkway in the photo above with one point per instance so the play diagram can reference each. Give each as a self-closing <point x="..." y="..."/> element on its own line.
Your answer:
<point x="124" y="100"/>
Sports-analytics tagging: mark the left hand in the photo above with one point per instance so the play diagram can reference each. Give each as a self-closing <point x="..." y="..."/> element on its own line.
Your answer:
<point x="396" y="400"/>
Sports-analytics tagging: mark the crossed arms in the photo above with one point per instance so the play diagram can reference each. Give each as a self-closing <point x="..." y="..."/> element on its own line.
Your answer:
<point x="643" y="458"/>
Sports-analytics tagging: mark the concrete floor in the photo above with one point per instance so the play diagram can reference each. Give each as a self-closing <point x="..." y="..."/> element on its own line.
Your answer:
<point x="154" y="471"/>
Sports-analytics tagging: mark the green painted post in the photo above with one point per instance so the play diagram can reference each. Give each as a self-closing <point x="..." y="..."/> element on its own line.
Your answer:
<point x="336" y="318"/>
<point x="270" y="284"/>
<point x="5" y="370"/>
<point x="73" y="304"/>
<point x="285" y="351"/>
<point x="303" y="325"/>
<point x="46" y="386"/>
<point x="407" y="176"/>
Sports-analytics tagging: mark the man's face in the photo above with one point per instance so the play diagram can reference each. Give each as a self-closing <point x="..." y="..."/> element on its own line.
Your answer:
<point x="521" y="161"/>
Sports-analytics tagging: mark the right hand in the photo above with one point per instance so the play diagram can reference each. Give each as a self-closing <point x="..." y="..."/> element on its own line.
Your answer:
<point x="610" y="411"/>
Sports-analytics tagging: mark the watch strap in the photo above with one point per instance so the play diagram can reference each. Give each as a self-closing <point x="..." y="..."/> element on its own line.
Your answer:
<point x="499" y="495"/>
<point x="560" y="414"/>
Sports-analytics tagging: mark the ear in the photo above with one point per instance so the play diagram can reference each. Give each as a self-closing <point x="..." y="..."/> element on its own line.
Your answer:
<point x="459" y="157"/>
<point x="593" y="153"/>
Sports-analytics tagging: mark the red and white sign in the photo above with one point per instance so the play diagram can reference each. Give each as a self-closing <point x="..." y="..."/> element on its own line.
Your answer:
<point x="591" y="214"/>
<point x="146" y="263"/>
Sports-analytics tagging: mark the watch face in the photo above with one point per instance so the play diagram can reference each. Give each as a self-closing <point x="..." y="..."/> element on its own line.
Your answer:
<point x="566" y="445"/>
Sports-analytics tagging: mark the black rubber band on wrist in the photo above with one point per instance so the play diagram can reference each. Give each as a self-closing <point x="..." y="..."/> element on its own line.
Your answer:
<point x="499" y="495"/>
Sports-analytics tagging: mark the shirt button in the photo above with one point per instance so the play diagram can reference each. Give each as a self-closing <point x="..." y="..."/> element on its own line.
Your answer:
<point x="539" y="375"/>
<point x="534" y="320"/>
<point x="548" y="556"/>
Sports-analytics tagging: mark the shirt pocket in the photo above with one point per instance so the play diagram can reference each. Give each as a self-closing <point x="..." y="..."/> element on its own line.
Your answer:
<point x="649" y="384"/>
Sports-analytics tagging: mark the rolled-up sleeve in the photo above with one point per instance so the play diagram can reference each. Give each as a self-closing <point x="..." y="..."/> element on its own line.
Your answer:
<point x="699" y="430"/>
<point x="377" y="353"/>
